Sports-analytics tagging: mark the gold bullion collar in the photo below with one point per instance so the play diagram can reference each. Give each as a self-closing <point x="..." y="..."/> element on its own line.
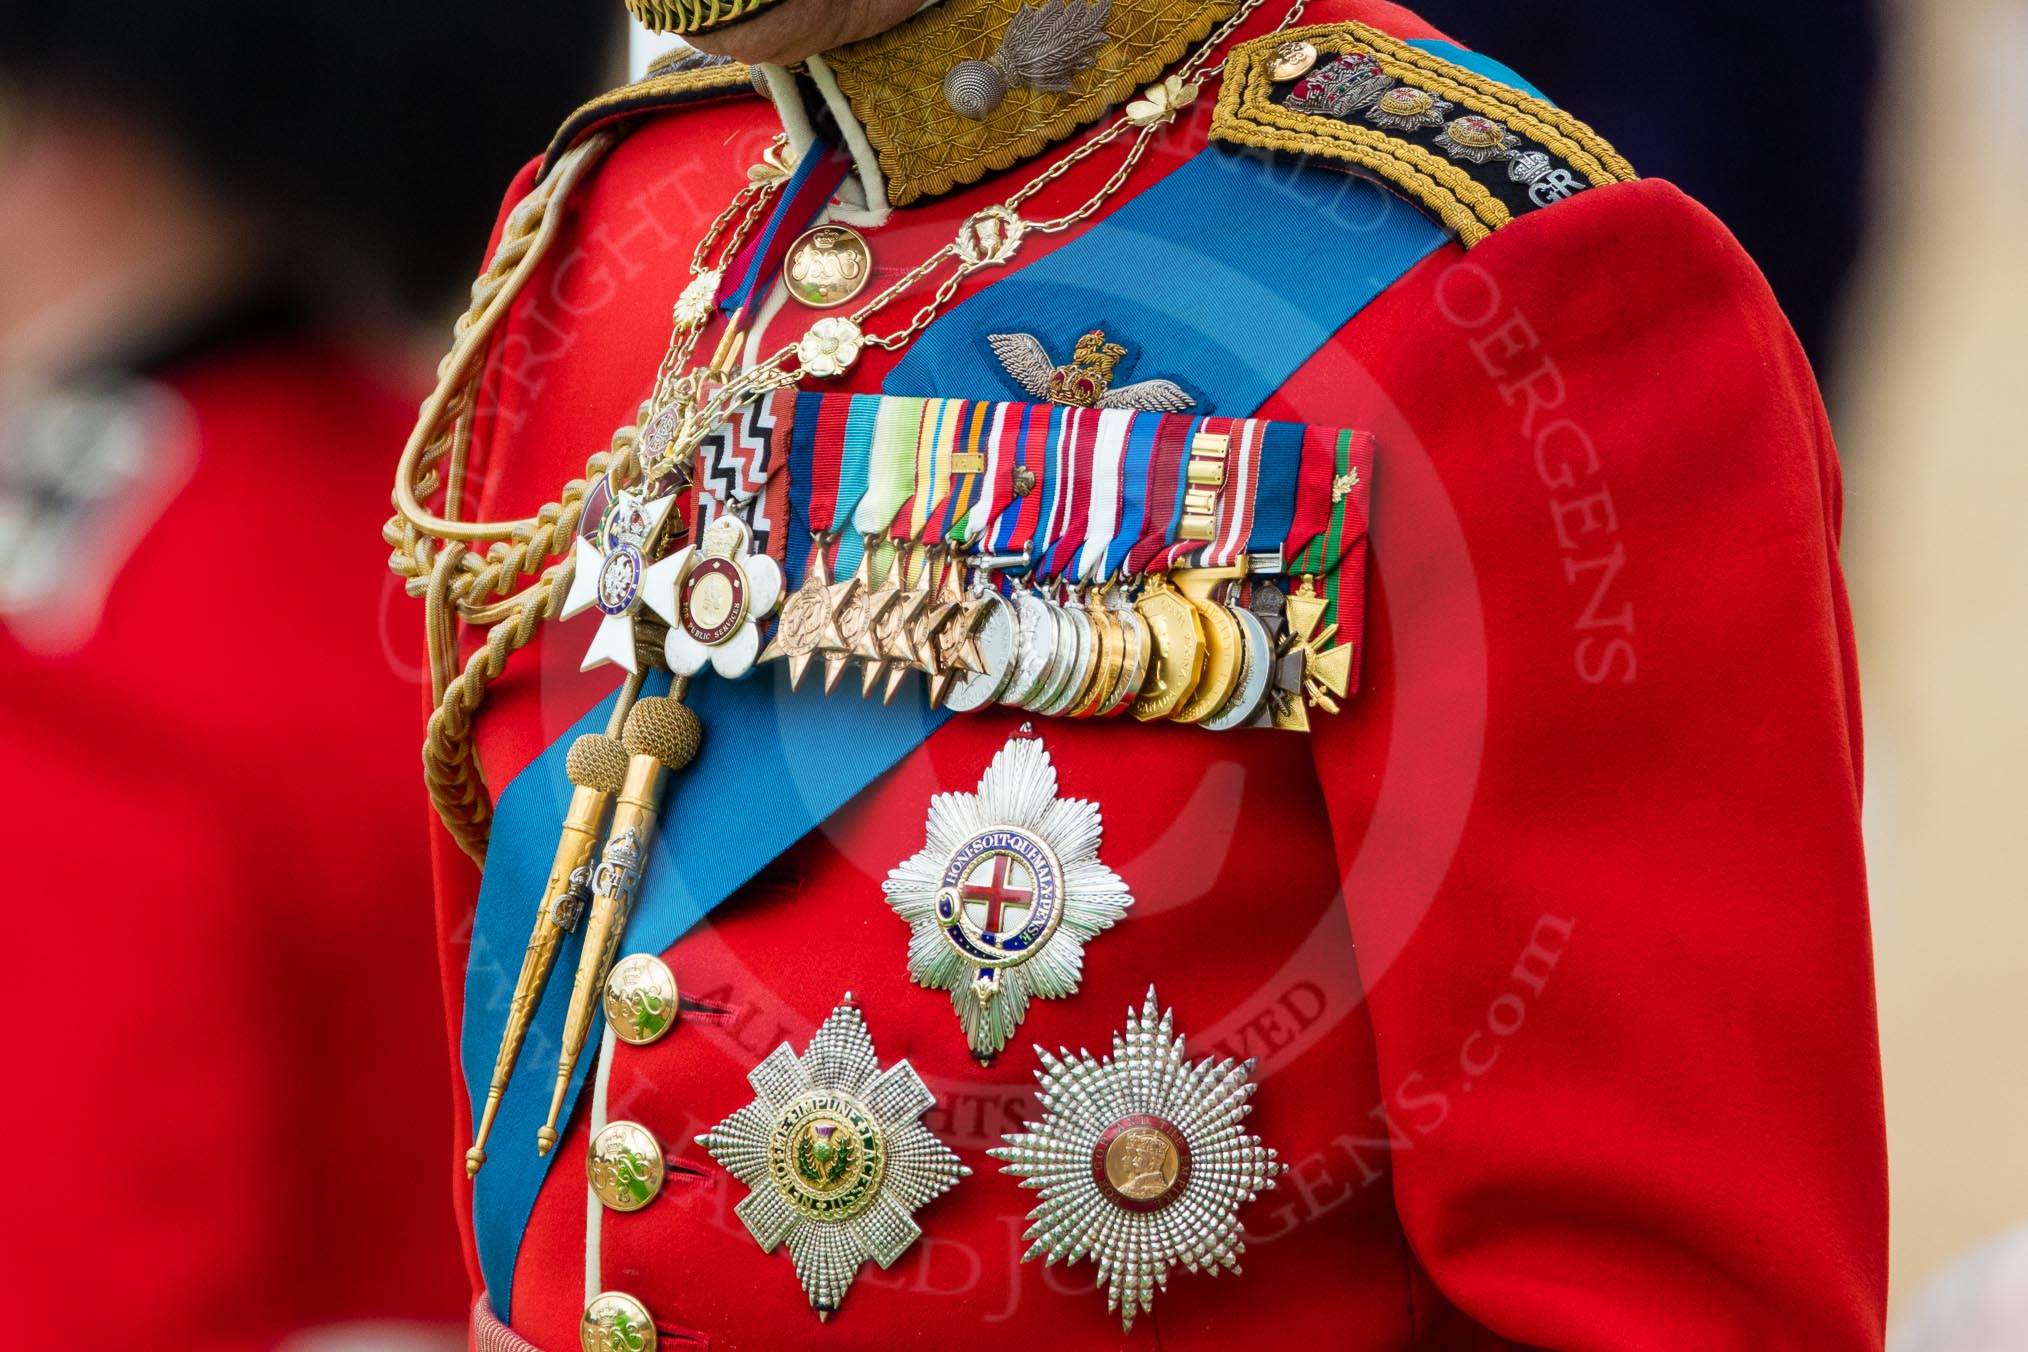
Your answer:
<point x="887" y="93"/>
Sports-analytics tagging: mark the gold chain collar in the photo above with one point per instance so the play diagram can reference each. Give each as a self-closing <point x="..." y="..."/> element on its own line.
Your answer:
<point x="432" y="551"/>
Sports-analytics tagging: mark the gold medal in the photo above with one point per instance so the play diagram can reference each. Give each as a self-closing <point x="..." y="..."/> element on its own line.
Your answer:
<point x="1223" y="650"/>
<point x="1096" y="696"/>
<point x="1225" y="646"/>
<point x="828" y="265"/>
<point x="1135" y="652"/>
<point x="1249" y="692"/>
<point x="1176" y="663"/>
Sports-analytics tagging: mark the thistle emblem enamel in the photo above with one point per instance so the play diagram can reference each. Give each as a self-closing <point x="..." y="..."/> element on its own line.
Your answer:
<point x="1004" y="895"/>
<point x="1140" y="1161"/>
<point x="835" y="1156"/>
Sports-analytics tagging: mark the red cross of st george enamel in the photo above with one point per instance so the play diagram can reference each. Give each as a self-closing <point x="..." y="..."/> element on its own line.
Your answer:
<point x="998" y="894"/>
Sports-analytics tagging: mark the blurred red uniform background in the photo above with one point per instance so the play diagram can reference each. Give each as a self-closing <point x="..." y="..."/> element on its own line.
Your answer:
<point x="224" y="1040"/>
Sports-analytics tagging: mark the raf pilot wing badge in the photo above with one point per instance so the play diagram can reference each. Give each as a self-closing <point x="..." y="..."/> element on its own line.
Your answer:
<point x="1086" y="380"/>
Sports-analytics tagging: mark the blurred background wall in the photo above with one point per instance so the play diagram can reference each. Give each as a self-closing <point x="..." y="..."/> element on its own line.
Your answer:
<point x="1929" y="407"/>
<point x="1875" y="162"/>
<point x="232" y="239"/>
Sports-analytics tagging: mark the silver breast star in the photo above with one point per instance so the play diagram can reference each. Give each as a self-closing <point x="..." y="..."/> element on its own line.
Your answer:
<point x="1004" y="894"/>
<point x="1140" y="1161"/>
<point x="835" y="1155"/>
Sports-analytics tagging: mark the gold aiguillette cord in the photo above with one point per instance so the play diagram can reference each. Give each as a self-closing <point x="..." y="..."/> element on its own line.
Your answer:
<point x="660" y="736"/>
<point x="597" y="766"/>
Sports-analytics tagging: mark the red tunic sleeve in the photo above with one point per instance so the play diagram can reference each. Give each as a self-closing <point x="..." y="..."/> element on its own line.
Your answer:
<point x="1597" y="807"/>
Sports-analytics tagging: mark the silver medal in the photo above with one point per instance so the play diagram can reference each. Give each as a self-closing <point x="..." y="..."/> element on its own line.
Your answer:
<point x="995" y="638"/>
<point x="1035" y="644"/>
<point x="1077" y="670"/>
<point x="1062" y="650"/>
<point x="1256" y="665"/>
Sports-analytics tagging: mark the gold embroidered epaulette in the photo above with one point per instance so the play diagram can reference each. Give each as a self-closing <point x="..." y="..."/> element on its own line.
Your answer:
<point x="1471" y="151"/>
<point x="680" y="78"/>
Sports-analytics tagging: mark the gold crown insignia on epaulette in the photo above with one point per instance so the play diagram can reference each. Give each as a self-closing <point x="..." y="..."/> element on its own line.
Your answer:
<point x="1471" y="151"/>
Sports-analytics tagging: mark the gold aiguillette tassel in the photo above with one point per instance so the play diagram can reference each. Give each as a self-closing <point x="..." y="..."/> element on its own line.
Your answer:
<point x="661" y="735"/>
<point x="597" y="766"/>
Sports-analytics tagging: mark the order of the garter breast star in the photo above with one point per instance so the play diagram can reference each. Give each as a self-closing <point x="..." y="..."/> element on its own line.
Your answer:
<point x="1004" y="894"/>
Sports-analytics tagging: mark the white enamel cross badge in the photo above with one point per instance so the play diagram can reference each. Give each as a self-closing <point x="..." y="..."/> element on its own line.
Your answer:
<point x="613" y="572"/>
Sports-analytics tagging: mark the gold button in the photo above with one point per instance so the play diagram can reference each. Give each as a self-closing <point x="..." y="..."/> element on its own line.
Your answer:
<point x="640" y="998"/>
<point x="625" y="1166"/>
<point x="616" y="1322"/>
<point x="1292" y="61"/>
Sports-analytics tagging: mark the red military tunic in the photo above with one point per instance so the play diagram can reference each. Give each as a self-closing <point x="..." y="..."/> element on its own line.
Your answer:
<point x="211" y="1017"/>
<point x="1552" y="946"/>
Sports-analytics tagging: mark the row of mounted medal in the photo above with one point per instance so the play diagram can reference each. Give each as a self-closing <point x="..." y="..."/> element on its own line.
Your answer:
<point x="1206" y="646"/>
<point x="1169" y="647"/>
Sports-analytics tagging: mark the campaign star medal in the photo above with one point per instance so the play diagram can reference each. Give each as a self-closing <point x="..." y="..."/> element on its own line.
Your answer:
<point x="851" y="605"/>
<point x="613" y="573"/>
<point x="806" y="615"/>
<point x="893" y="640"/>
<point x="954" y="638"/>
<point x="726" y="591"/>
<point x="1004" y="895"/>
<point x="1140" y="1161"/>
<point x="835" y="1156"/>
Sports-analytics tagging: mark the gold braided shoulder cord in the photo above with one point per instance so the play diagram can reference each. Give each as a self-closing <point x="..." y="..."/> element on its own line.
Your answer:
<point x="432" y="553"/>
<point x="693" y="16"/>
